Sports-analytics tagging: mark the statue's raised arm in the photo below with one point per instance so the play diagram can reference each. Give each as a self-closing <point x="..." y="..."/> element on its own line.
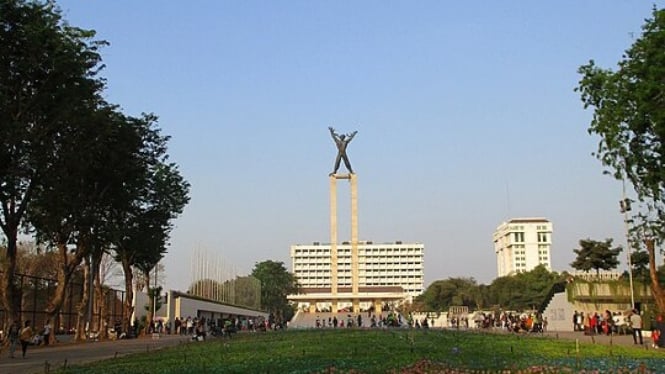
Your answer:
<point x="333" y="133"/>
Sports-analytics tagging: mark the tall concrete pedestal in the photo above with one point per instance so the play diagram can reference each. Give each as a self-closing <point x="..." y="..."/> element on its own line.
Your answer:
<point x="353" y="180"/>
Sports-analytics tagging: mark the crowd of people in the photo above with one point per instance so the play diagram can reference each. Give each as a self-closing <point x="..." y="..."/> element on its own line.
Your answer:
<point x="632" y="322"/>
<point x="508" y="320"/>
<point x="391" y="319"/>
<point x="200" y="327"/>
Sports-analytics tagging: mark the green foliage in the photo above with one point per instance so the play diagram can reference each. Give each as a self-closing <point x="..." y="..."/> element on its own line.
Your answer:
<point x="596" y="255"/>
<point x="243" y="291"/>
<point x="154" y="293"/>
<point x="247" y="292"/>
<point x="516" y="292"/>
<point x="381" y="351"/>
<point x="276" y="284"/>
<point x="524" y="290"/>
<point x="155" y="196"/>
<point x="442" y="294"/>
<point x="73" y="169"/>
<point x="640" y="261"/>
<point x="48" y="79"/>
<point x="629" y="118"/>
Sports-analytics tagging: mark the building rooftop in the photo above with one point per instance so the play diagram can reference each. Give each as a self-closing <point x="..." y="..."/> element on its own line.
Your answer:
<point x="363" y="289"/>
<point x="362" y="242"/>
<point x="529" y="220"/>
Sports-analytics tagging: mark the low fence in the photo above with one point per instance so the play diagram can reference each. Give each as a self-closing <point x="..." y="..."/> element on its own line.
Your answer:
<point x="36" y="292"/>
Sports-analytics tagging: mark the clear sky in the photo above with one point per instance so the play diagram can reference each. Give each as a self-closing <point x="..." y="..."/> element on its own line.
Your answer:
<point x="466" y="117"/>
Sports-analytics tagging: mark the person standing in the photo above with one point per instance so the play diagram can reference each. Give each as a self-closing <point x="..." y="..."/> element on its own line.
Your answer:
<point x="636" y="325"/>
<point x="25" y="337"/>
<point x="660" y="327"/>
<point x="47" y="332"/>
<point x="14" y="331"/>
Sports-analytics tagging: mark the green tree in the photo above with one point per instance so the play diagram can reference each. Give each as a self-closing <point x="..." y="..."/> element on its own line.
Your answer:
<point x="506" y="292"/>
<point x="524" y="290"/>
<point x="640" y="262"/>
<point x="629" y="118"/>
<point x="276" y="284"/>
<point x="247" y="292"/>
<point x="48" y="76"/>
<point x="69" y="209"/>
<point x="596" y="255"/>
<point x="442" y="294"/>
<point x="156" y="194"/>
<point x="155" y="295"/>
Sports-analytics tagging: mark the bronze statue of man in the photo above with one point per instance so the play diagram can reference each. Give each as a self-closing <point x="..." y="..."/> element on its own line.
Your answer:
<point x="342" y="141"/>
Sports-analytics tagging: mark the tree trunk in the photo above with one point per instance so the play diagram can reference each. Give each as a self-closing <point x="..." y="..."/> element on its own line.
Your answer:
<point x="100" y="301"/>
<point x="82" y="307"/>
<point x="65" y="270"/>
<point x="656" y="289"/>
<point x="151" y="303"/>
<point x="11" y="297"/>
<point x="129" y="292"/>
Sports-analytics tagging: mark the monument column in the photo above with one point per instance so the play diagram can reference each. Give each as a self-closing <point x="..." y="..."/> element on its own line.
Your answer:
<point x="333" y="242"/>
<point x="342" y="142"/>
<point x="378" y="307"/>
<point x="354" y="242"/>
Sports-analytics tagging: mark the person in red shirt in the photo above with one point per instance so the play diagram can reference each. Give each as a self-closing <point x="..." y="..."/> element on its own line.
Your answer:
<point x="593" y="322"/>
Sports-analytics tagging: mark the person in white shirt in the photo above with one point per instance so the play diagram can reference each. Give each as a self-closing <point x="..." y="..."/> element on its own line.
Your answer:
<point x="636" y="325"/>
<point x="47" y="332"/>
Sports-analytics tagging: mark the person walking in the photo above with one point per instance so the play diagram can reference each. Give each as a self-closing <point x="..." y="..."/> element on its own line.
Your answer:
<point x="636" y="325"/>
<point x="13" y="334"/>
<point x="25" y="337"/>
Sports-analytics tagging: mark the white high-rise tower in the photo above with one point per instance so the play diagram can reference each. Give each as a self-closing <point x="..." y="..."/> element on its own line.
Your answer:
<point x="521" y="244"/>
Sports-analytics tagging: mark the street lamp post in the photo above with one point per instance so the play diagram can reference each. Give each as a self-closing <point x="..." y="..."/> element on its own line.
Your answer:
<point x="625" y="208"/>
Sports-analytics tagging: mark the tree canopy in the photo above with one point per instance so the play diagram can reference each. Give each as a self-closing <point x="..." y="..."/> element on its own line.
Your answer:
<point x="596" y="255"/>
<point x="276" y="284"/>
<point x="515" y="292"/>
<point x="75" y="171"/>
<point x="629" y="117"/>
<point x="442" y="294"/>
<point x="48" y="79"/>
<point x="640" y="262"/>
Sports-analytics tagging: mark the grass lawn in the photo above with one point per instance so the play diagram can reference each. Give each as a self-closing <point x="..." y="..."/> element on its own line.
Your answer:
<point x="385" y="351"/>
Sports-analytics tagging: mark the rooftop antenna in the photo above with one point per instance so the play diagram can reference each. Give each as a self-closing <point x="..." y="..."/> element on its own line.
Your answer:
<point x="508" y="200"/>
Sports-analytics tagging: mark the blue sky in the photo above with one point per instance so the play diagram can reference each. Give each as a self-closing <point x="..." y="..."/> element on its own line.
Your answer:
<point x="466" y="116"/>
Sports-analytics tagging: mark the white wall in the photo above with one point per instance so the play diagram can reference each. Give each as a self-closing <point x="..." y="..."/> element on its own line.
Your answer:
<point x="559" y="313"/>
<point x="179" y="305"/>
<point x="141" y="299"/>
<point x="194" y="307"/>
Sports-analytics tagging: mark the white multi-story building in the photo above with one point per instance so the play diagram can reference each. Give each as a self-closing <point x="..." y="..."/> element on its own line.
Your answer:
<point x="379" y="265"/>
<point x="521" y="244"/>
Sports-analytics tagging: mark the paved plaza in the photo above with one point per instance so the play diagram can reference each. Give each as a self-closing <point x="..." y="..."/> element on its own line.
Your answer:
<point x="48" y="359"/>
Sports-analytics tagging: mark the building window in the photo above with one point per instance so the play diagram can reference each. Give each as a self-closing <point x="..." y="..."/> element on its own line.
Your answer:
<point x="542" y="237"/>
<point x="518" y="237"/>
